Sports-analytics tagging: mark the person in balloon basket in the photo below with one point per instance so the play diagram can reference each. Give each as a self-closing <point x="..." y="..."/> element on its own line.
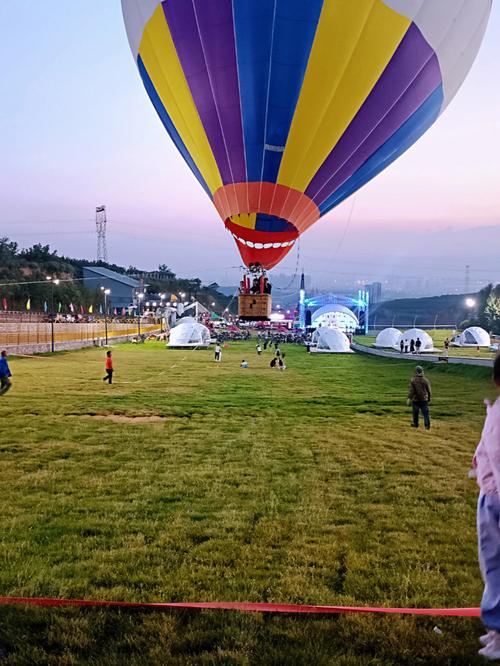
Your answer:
<point x="487" y="467"/>
<point x="419" y="397"/>
<point x="108" y="377"/>
<point x="5" y="374"/>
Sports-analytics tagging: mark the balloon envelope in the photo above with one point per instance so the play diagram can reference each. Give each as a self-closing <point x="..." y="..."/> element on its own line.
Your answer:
<point x="284" y="108"/>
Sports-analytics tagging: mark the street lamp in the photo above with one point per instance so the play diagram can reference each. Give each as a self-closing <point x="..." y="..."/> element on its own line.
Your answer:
<point x="53" y="281"/>
<point x="470" y="302"/>
<point x="140" y="298"/>
<point x="106" y="294"/>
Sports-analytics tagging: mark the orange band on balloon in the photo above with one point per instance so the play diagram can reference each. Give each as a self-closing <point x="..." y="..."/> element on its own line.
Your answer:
<point x="269" y="198"/>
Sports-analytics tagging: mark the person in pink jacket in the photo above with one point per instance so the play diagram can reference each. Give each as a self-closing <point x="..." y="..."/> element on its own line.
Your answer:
<point x="487" y="464"/>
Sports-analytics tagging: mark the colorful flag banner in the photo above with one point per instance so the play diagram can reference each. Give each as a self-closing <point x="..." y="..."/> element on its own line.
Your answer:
<point x="4" y="303"/>
<point x="82" y="309"/>
<point x="59" y="307"/>
<point x="100" y="308"/>
<point x="116" y="312"/>
<point x="71" y="307"/>
<point x="28" y="304"/>
<point x="91" y="309"/>
<point x="124" y="312"/>
<point x="45" y="307"/>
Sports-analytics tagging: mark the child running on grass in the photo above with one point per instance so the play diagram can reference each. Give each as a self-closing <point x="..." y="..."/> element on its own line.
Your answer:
<point x="109" y="369"/>
<point x="487" y="463"/>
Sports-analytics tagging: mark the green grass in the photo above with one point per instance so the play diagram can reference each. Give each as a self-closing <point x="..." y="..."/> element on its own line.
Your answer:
<point x="439" y="337"/>
<point x="303" y="486"/>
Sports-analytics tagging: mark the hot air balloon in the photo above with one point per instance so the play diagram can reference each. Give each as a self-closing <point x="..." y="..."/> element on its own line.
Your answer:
<point x="284" y="108"/>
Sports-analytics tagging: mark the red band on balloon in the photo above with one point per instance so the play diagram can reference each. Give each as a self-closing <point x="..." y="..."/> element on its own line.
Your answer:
<point x="241" y="606"/>
<point x="269" y="198"/>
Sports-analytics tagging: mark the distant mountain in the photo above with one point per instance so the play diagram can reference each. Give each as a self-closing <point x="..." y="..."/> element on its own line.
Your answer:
<point x="24" y="273"/>
<point x="447" y="310"/>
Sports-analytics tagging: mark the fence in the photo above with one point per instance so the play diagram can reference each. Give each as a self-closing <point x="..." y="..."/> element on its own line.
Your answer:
<point x="35" y="333"/>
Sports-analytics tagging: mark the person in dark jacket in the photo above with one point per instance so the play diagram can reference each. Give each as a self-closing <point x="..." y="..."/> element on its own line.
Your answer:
<point x="419" y="396"/>
<point x="5" y="374"/>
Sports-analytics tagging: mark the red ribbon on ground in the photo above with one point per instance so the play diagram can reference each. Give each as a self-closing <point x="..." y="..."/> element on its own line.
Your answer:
<point x="242" y="606"/>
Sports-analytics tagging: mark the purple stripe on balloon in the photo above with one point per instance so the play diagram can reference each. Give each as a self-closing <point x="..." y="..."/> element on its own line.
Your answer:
<point x="203" y="34"/>
<point x="410" y="77"/>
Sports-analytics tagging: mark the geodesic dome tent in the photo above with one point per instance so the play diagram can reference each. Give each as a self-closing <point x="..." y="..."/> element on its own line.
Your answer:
<point x="330" y="340"/>
<point x="474" y="336"/>
<point x="335" y="315"/>
<point x="413" y="334"/>
<point x="387" y="338"/>
<point x="185" y="320"/>
<point x="189" y="335"/>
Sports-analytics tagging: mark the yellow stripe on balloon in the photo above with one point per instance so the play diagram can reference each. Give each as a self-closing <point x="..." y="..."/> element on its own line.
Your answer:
<point x="247" y="220"/>
<point x="162" y="63"/>
<point x="354" y="42"/>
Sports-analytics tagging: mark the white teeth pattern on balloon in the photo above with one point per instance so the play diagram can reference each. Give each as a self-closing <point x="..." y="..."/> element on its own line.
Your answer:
<point x="263" y="246"/>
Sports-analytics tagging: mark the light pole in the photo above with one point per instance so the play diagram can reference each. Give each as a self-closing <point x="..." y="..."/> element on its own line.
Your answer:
<point x="140" y="298"/>
<point x="162" y="308"/>
<point x="106" y="294"/>
<point x="53" y="281"/>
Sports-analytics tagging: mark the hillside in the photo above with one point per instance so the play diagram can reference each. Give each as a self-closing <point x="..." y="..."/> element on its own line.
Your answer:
<point x="24" y="272"/>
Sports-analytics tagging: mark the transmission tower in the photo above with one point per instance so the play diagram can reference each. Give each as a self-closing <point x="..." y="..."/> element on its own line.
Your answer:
<point x="100" y="223"/>
<point x="467" y="279"/>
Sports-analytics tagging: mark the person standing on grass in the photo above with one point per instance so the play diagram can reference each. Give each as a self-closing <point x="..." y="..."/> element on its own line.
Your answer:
<point x="259" y="348"/>
<point x="109" y="369"/>
<point x="218" y="353"/>
<point x="419" y="396"/>
<point x="418" y="345"/>
<point x="446" y="347"/>
<point x="487" y="465"/>
<point x="5" y="374"/>
<point x="402" y="346"/>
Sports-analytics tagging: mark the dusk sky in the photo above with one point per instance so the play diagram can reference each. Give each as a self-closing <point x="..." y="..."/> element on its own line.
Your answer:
<point x="77" y="130"/>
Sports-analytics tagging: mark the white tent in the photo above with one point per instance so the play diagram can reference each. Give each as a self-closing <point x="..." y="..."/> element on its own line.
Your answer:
<point x="413" y="334"/>
<point x="185" y="320"/>
<point x="330" y="340"/>
<point x="335" y="315"/>
<point x="387" y="338"/>
<point x="475" y="336"/>
<point x="189" y="335"/>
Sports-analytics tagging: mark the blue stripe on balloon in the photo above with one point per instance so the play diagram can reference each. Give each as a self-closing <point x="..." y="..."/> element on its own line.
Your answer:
<point x="291" y="40"/>
<point x="416" y="125"/>
<point x="169" y="126"/>
<point x="270" y="223"/>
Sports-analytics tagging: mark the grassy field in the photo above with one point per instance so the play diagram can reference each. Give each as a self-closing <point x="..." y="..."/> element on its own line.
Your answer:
<point x="439" y="337"/>
<point x="188" y="480"/>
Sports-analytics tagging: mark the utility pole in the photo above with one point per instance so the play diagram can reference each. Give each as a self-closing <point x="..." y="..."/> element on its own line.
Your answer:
<point x="100" y="223"/>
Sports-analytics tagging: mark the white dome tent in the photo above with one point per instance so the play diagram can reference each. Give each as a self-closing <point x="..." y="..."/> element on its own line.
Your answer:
<point x="474" y="336"/>
<point x="335" y="315"/>
<point x="185" y="320"/>
<point x="189" y="335"/>
<point x="330" y="340"/>
<point x="388" y="338"/>
<point x="413" y="334"/>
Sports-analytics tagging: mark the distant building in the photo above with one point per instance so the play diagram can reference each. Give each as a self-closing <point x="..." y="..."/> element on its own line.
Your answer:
<point x="375" y="292"/>
<point x="123" y="288"/>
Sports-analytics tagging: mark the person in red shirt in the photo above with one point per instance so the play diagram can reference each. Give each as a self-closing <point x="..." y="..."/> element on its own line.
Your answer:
<point x="109" y="369"/>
